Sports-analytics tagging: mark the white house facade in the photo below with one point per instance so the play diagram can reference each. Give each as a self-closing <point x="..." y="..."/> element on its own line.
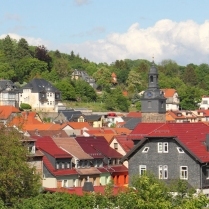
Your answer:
<point x="41" y="95"/>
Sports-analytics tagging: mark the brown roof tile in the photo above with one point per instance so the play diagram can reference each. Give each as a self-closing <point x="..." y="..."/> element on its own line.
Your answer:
<point x="71" y="145"/>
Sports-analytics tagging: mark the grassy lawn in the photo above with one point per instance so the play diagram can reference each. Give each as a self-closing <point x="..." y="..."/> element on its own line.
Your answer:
<point x="94" y="106"/>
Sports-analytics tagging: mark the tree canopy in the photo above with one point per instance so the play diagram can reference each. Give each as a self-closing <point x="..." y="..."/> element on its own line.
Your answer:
<point x="18" y="179"/>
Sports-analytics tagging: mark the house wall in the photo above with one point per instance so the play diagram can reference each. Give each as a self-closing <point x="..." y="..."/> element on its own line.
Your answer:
<point x="119" y="150"/>
<point x="50" y="182"/>
<point x="105" y="178"/>
<point x="50" y="105"/>
<point x="97" y="124"/>
<point x="173" y="159"/>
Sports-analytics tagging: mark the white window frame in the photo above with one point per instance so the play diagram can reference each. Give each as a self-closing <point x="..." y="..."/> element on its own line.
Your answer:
<point x="145" y="150"/>
<point x="180" y="150"/>
<point x="64" y="183"/>
<point x="142" y="169"/>
<point x="184" y="172"/>
<point x="162" y="147"/>
<point x="163" y="171"/>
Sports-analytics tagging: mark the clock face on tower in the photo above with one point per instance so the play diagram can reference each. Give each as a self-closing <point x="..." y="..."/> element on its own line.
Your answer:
<point x="149" y="94"/>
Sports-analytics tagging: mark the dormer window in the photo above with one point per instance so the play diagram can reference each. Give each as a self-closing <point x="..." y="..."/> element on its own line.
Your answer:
<point x="180" y="150"/>
<point x="57" y="165"/>
<point x="145" y="150"/>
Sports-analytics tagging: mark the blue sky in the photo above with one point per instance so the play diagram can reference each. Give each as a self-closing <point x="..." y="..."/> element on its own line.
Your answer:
<point x="107" y="30"/>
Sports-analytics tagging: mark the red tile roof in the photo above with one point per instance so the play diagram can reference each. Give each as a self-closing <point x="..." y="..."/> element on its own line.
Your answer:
<point x="97" y="147"/>
<point x="24" y="119"/>
<point x="7" y="110"/>
<point x="169" y="92"/>
<point x="134" y="114"/>
<point x="79" y="125"/>
<point x="191" y="135"/>
<point x="47" y="144"/>
<point x="58" y="172"/>
<point x="126" y="143"/>
<point x="71" y="146"/>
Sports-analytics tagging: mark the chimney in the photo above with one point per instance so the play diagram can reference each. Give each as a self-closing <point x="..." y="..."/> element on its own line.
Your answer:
<point x="207" y="142"/>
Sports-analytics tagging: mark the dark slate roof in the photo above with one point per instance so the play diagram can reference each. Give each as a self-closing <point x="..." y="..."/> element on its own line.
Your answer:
<point x="90" y="118"/>
<point x="71" y="115"/>
<point x="132" y="123"/>
<point x="40" y="85"/>
<point x="7" y="85"/>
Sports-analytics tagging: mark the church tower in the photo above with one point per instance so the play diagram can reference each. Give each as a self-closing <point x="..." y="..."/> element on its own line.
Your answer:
<point x="153" y="102"/>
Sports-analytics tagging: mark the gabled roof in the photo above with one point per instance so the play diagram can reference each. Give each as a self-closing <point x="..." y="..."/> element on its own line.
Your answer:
<point x="132" y="123"/>
<point x="134" y="115"/>
<point x="78" y="125"/>
<point x="42" y="126"/>
<point x="97" y="147"/>
<point x="88" y="171"/>
<point x="126" y="143"/>
<point x="191" y="136"/>
<point x="40" y="85"/>
<point x="71" y="115"/>
<point x="8" y="85"/>
<point x="97" y="131"/>
<point x="7" y="110"/>
<point x="177" y="115"/>
<point x="169" y="92"/>
<point x="58" y="172"/>
<point x="51" y="133"/>
<point x="71" y="146"/>
<point x="47" y="145"/>
<point x="93" y="117"/>
<point x="23" y="119"/>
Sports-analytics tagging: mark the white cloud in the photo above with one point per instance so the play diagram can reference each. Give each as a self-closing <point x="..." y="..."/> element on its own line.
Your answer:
<point x="184" y="42"/>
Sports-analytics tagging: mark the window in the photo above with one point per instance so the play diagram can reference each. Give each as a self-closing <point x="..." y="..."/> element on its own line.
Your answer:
<point x="207" y="173"/>
<point x="180" y="150"/>
<point x="145" y="150"/>
<point x="163" y="147"/>
<point x="57" y="166"/>
<point x="116" y="146"/>
<point x="163" y="172"/>
<point x="151" y="79"/>
<point x="162" y="104"/>
<point x="63" y="165"/>
<point x="68" y="165"/>
<point x="65" y="183"/>
<point x="142" y="169"/>
<point x="183" y="172"/>
<point x="149" y="104"/>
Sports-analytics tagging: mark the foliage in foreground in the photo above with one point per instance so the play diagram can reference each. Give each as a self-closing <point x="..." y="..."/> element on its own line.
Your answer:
<point x="17" y="179"/>
<point x="146" y="192"/>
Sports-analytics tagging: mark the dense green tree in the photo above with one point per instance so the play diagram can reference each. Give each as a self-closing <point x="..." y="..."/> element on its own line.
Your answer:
<point x="103" y="78"/>
<point x="22" y="49"/>
<point x="18" y="180"/>
<point x="84" y="92"/>
<point x="8" y="48"/>
<point x="114" y="100"/>
<point x="28" y="68"/>
<point x="189" y="97"/>
<point x="41" y="53"/>
<point x="170" y="68"/>
<point x="133" y="82"/>
<point x="68" y="91"/>
<point x="189" y="76"/>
